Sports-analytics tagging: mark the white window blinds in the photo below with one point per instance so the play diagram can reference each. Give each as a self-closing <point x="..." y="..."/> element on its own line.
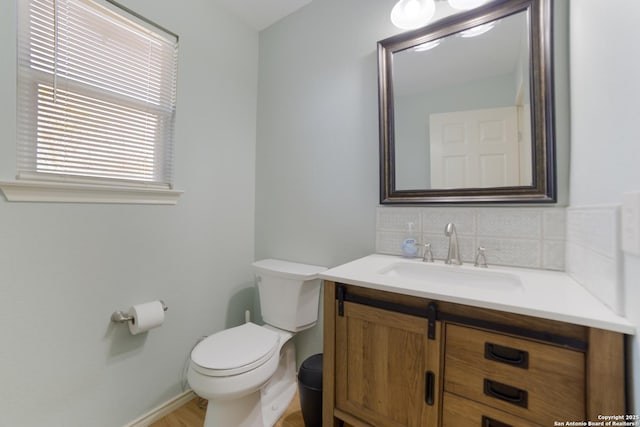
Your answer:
<point x="96" y="93"/>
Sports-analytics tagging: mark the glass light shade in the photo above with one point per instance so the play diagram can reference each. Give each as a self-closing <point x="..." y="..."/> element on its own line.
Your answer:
<point x="465" y="4"/>
<point x="410" y="14"/>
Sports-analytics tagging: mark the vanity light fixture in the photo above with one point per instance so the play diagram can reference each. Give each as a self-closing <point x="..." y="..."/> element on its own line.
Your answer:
<point x="412" y="14"/>
<point x="465" y="4"/>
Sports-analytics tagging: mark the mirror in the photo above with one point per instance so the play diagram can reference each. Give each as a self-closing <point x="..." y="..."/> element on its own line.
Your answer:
<point x="466" y="108"/>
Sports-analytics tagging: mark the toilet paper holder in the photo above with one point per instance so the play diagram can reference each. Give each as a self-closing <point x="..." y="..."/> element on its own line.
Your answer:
<point x="124" y="317"/>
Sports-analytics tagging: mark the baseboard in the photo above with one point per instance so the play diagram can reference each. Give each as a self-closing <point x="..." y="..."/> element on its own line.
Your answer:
<point x="162" y="410"/>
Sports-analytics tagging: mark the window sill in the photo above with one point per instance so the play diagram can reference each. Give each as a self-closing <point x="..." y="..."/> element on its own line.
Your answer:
<point x="37" y="191"/>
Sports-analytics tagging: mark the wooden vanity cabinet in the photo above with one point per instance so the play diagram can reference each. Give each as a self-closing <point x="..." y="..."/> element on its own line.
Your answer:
<point x="392" y="360"/>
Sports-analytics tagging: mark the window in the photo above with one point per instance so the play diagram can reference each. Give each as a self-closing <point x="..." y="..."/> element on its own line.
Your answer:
<point x="96" y="99"/>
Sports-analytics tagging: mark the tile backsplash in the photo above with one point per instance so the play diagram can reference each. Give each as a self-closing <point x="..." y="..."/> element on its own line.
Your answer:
<point x="583" y="241"/>
<point x="594" y="257"/>
<point x="522" y="236"/>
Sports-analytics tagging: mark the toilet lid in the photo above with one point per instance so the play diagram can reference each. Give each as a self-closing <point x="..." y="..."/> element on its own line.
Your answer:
<point x="236" y="350"/>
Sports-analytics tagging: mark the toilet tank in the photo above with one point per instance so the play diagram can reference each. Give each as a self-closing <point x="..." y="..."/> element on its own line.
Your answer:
<point x="289" y="293"/>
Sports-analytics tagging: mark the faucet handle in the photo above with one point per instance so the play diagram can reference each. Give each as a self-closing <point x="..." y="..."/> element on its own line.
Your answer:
<point x="427" y="256"/>
<point x="481" y="258"/>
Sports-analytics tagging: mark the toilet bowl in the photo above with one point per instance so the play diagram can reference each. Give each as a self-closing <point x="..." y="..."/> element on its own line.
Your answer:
<point x="248" y="372"/>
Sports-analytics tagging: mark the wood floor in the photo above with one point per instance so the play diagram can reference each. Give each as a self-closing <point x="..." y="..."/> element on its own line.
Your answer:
<point x="190" y="415"/>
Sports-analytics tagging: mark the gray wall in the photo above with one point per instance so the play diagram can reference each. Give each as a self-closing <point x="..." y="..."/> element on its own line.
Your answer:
<point x="605" y="138"/>
<point x="317" y="143"/>
<point x="317" y="140"/>
<point x="64" y="268"/>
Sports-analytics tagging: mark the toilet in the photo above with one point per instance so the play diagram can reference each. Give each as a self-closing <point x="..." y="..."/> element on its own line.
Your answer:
<point x="248" y="372"/>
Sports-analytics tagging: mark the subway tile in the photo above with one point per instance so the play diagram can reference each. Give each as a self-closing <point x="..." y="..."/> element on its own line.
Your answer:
<point x="512" y="252"/>
<point x="577" y="227"/>
<point x="526" y="237"/>
<point x="389" y="242"/>
<point x="511" y="223"/>
<point x="553" y="254"/>
<point x="595" y="228"/>
<point x="440" y="246"/>
<point x="435" y="219"/>
<point x="593" y="255"/>
<point x="397" y="219"/>
<point x="554" y="223"/>
<point x="598" y="273"/>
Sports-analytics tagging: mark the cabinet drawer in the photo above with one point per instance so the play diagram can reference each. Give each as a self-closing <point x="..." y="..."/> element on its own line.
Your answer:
<point x="460" y="412"/>
<point x="540" y="382"/>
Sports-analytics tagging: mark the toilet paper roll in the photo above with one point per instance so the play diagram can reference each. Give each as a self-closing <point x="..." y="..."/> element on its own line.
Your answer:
<point x="146" y="316"/>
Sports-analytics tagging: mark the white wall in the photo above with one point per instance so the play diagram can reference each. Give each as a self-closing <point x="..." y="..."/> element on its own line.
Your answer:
<point x="64" y="268"/>
<point x="605" y="137"/>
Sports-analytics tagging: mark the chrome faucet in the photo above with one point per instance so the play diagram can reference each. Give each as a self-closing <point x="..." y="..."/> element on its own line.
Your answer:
<point x="453" y="257"/>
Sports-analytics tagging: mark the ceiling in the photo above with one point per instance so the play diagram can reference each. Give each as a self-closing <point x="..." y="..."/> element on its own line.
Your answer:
<point x="259" y="14"/>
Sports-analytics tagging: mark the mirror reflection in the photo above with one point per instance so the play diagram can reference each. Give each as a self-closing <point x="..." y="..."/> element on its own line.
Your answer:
<point x="462" y="108"/>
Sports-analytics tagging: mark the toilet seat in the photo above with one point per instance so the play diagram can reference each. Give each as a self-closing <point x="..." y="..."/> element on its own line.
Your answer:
<point x="235" y="350"/>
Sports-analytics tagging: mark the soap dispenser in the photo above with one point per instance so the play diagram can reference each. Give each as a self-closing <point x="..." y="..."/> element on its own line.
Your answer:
<point x="409" y="244"/>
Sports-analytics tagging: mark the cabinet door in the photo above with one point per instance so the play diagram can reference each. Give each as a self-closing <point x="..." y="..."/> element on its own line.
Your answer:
<point x="387" y="369"/>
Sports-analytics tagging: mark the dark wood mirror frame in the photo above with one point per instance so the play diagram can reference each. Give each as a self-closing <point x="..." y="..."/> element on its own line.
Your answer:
<point x="544" y="185"/>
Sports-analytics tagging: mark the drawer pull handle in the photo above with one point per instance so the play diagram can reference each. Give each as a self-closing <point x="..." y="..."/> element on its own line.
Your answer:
<point x="490" y="422"/>
<point x="507" y="355"/>
<point x="505" y="392"/>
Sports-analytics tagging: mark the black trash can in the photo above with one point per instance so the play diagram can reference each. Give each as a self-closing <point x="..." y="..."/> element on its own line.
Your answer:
<point x="310" y="390"/>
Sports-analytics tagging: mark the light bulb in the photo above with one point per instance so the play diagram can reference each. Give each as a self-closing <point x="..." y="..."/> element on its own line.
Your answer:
<point x="410" y="14"/>
<point x="466" y="4"/>
<point x="411" y="8"/>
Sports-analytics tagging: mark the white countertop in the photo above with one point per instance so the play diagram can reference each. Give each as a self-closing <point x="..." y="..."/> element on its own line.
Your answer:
<point x="541" y="293"/>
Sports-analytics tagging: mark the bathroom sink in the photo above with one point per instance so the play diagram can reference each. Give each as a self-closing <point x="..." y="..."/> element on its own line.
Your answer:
<point x="448" y="275"/>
